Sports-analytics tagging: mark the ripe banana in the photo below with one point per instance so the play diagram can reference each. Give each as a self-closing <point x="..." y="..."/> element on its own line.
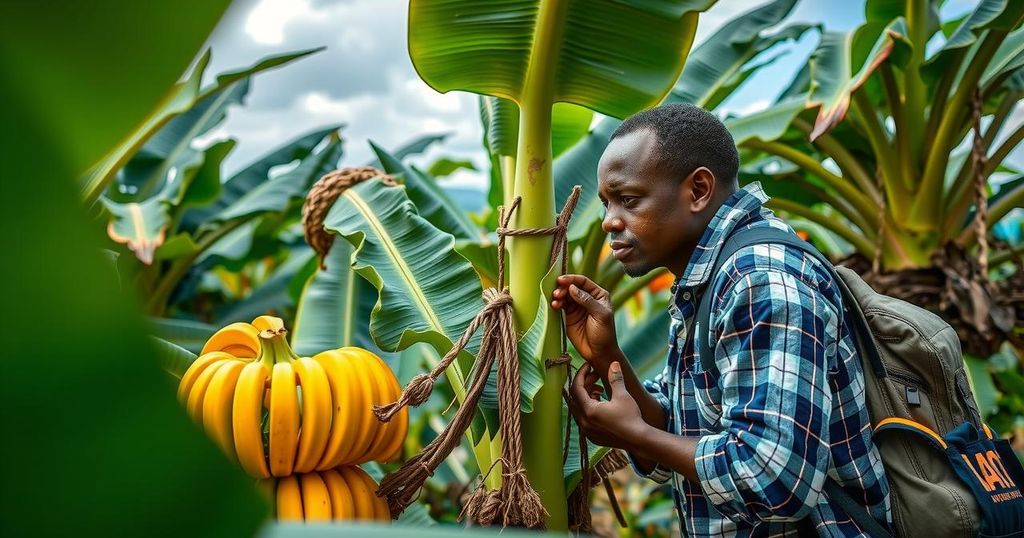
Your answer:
<point x="194" y="404"/>
<point x="193" y="372"/>
<point x="316" y="502"/>
<point x="342" y="505"/>
<point x="247" y="419"/>
<point x="284" y="420"/>
<point x="316" y="413"/>
<point x="391" y="444"/>
<point x="382" y="394"/>
<point x="348" y="399"/>
<point x="362" y="494"/>
<point x="235" y="334"/>
<point x="289" y="499"/>
<point x="217" y="405"/>
<point x="374" y="429"/>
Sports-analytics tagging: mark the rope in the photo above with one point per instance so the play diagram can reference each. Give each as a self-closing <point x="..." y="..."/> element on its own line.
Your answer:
<point x="322" y="196"/>
<point x="515" y="503"/>
<point x="981" y="211"/>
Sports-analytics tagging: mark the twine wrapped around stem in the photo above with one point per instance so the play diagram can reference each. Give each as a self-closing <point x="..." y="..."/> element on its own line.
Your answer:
<point x="515" y="503"/>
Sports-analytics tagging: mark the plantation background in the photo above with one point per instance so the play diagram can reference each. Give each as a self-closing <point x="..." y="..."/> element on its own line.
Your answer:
<point x="218" y="186"/>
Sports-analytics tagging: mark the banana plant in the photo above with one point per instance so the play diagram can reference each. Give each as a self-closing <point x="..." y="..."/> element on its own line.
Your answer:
<point x="713" y="71"/>
<point x="432" y="320"/>
<point x="873" y="140"/>
<point x="543" y="53"/>
<point x="168" y="204"/>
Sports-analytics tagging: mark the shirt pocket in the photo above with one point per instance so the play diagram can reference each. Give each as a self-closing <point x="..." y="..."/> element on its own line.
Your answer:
<point x="707" y="399"/>
<point x="703" y="400"/>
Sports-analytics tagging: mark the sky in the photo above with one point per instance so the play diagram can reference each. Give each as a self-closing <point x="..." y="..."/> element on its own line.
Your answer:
<point x="365" y="80"/>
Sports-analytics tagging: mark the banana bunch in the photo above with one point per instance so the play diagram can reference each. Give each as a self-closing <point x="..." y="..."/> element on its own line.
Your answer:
<point x="280" y="414"/>
<point x="345" y="493"/>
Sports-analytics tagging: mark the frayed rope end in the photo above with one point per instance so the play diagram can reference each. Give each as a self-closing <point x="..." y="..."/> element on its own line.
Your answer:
<point x="415" y="393"/>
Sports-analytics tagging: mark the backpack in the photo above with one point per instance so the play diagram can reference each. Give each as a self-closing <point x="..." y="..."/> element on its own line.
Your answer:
<point x="949" y="474"/>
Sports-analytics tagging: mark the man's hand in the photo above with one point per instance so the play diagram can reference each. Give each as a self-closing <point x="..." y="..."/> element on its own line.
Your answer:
<point x="613" y="423"/>
<point x="589" y="322"/>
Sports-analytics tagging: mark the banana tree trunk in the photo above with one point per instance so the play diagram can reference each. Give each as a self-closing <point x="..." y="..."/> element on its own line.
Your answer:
<point x="542" y="429"/>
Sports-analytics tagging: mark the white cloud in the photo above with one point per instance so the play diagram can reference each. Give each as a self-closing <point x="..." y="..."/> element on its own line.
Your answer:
<point x="268" y="19"/>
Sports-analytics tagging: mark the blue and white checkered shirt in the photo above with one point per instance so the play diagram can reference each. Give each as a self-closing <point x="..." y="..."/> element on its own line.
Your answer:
<point x="788" y="407"/>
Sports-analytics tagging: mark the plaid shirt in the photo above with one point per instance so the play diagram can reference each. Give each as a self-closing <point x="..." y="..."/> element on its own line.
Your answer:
<point x="788" y="408"/>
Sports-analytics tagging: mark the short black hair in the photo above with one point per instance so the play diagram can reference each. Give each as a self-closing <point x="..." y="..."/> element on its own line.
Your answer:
<point x="688" y="137"/>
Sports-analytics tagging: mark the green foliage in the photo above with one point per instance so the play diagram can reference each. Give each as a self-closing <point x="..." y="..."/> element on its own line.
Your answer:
<point x="93" y="427"/>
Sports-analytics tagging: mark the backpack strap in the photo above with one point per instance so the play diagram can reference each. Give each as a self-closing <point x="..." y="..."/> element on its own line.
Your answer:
<point x="769" y="234"/>
<point x="862" y="337"/>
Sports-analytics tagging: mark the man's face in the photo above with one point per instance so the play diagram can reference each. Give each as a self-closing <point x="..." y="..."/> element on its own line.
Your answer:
<point x="646" y="216"/>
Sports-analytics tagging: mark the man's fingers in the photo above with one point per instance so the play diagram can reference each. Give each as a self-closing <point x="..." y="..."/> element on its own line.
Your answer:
<point x="584" y="283"/>
<point x="586" y="300"/>
<point x="578" y="391"/>
<point x="616" y="383"/>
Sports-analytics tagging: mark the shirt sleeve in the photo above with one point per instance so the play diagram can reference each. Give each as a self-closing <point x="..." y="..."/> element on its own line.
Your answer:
<point x="770" y="460"/>
<point x="657" y="389"/>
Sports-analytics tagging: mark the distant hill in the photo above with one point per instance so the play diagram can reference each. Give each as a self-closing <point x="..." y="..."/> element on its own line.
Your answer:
<point x="468" y="198"/>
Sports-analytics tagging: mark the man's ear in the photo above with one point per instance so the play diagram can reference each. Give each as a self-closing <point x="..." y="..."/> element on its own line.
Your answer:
<point x="702" y="189"/>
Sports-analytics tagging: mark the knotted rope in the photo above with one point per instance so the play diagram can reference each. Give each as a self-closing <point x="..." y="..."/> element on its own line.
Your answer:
<point x="322" y="196"/>
<point x="515" y="503"/>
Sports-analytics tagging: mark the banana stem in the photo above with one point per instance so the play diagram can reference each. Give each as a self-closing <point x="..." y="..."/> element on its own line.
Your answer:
<point x="274" y="347"/>
<point x="541" y="429"/>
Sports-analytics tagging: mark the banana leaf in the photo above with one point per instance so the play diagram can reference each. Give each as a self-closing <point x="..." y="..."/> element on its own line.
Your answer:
<point x="334" y="308"/>
<point x="986" y="15"/>
<point x="82" y="372"/>
<point x="431" y="201"/>
<point x="456" y="45"/>
<point x="427" y="292"/>
<point x="173" y="358"/>
<point x="275" y="194"/>
<point x="144" y="226"/>
<point x="835" y="76"/>
<point x="182" y="98"/>
<point x="254" y="174"/>
<point x="718" y="59"/>
<point x="184" y="333"/>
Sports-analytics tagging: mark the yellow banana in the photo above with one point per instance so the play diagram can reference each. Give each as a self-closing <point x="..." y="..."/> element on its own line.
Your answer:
<point x="284" y="420"/>
<point x="316" y="413"/>
<point x="198" y="366"/>
<point x="247" y="419"/>
<point x="217" y="405"/>
<point x="235" y="334"/>
<point x="362" y="495"/>
<point x="346" y="420"/>
<point x="289" y="499"/>
<point x="316" y="502"/>
<point x="382" y="394"/>
<point x="391" y="443"/>
<point x="194" y="405"/>
<point x="381" y="512"/>
<point x="264" y="323"/>
<point x="342" y="505"/>
<point x="369" y="425"/>
<point x="240" y="351"/>
<point x="393" y="450"/>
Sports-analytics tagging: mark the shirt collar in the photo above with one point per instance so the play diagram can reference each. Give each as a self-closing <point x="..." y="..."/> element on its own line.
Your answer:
<point x="738" y="208"/>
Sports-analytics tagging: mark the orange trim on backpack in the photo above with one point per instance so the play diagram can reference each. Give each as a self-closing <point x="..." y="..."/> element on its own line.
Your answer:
<point x="988" y="431"/>
<point x="914" y="425"/>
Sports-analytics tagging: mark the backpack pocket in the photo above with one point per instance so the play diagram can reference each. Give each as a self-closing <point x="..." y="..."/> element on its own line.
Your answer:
<point x="978" y="476"/>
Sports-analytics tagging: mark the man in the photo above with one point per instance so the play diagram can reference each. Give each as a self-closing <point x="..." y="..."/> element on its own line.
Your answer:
<point x="747" y="450"/>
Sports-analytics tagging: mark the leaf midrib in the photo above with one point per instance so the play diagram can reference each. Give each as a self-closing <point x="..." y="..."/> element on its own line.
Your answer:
<point x="390" y="249"/>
